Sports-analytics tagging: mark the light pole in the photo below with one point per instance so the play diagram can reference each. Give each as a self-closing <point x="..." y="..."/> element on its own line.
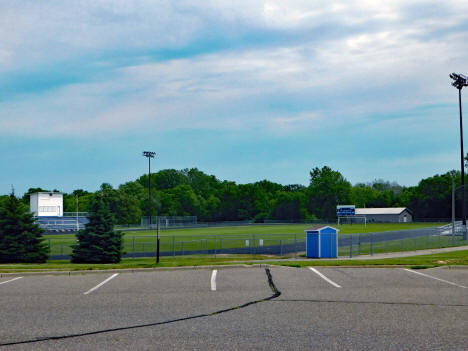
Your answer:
<point x="460" y="81"/>
<point x="77" y="223"/>
<point x="150" y="155"/>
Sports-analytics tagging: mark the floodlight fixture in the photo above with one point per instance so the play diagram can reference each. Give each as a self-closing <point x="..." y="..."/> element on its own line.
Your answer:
<point x="460" y="81"/>
<point x="150" y="155"/>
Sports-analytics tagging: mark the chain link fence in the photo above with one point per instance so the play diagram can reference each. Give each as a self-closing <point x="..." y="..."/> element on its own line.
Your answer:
<point x="292" y="245"/>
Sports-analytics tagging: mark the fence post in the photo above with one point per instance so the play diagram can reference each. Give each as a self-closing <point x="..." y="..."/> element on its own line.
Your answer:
<point x="133" y="246"/>
<point x="255" y="247"/>
<point x="351" y="247"/>
<point x="359" y="244"/>
<point x="415" y="241"/>
<point x="402" y="244"/>
<point x="295" y="245"/>
<point x="372" y="245"/>
<point x="173" y="246"/>
<point x="281" y="247"/>
<point x="215" y="246"/>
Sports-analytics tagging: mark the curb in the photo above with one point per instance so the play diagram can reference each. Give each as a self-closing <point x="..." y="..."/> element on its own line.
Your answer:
<point x="191" y="268"/>
<point x="453" y="267"/>
<point x="132" y="270"/>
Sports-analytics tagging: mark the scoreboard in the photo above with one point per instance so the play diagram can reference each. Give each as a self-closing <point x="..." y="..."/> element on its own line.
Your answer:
<point x="345" y="210"/>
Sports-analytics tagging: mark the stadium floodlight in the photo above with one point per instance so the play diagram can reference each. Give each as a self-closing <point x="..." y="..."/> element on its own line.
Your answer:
<point x="150" y="155"/>
<point x="460" y="81"/>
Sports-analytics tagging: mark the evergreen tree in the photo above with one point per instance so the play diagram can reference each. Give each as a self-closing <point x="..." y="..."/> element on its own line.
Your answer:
<point x="20" y="237"/>
<point x="98" y="242"/>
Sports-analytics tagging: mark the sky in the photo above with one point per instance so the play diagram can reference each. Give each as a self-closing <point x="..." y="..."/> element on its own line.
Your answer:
<point x="245" y="90"/>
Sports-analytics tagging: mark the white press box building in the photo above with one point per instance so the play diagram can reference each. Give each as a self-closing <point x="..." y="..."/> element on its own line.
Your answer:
<point x="46" y="204"/>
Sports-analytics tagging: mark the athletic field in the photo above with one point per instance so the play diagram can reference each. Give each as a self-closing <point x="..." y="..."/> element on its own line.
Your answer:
<point x="209" y="238"/>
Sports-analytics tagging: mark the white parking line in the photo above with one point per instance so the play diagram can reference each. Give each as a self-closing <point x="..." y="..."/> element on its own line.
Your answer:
<point x="213" y="279"/>
<point x="430" y="276"/>
<point x="101" y="284"/>
<point x="328" y="280"/>
<point x="10" y="280"/>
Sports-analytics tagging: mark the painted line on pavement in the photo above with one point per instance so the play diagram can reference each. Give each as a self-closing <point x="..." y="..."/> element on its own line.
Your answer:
<point x="328" y="280"/>
<point x="10" y="280"/>
<point x="101" y="284"/>
<point x="213" y="279"/>
<point x="439" y="279"/>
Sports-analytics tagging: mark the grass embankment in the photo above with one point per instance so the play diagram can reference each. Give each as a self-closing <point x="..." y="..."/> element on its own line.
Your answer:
<point x="403" y="245"/>
<point x="187" y="239"/>
<point x="454" y="258"/>
<point x="422" y="261"/>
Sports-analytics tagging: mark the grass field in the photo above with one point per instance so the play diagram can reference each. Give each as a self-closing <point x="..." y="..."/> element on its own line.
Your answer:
<point x="208" y="238"/>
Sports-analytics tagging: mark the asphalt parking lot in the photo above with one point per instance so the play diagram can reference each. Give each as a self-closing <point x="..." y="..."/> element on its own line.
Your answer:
<point x="238" y="309"/>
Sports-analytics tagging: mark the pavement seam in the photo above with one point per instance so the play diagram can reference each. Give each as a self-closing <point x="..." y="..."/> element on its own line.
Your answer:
<point x="371" y="302"/>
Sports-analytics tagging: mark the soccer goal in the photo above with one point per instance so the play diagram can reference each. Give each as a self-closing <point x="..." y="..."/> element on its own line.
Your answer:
<point x="352" y="220"/>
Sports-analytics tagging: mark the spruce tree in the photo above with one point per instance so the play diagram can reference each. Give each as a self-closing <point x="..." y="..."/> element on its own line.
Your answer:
<point x="20" y="237"/>
<point x="98" y="242"/>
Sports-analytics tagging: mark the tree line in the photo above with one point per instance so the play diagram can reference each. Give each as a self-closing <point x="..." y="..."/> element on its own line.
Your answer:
<point x="191" y="192"/>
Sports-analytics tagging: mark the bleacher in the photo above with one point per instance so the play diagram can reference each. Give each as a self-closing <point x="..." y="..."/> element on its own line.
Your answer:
<point x="55" y="224"/>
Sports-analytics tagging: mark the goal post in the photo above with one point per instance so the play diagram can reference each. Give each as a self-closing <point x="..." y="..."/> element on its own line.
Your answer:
<point x="352" y="220"/>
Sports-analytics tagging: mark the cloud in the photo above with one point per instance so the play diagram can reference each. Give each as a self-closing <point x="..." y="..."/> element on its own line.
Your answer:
<point x="276" y="66"/>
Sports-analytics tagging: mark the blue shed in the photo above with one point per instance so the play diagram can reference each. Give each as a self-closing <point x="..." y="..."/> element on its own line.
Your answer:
<point x="322" y="242"/>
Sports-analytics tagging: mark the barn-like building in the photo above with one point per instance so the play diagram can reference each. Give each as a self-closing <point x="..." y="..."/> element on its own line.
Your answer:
<point x="389" y="214"/>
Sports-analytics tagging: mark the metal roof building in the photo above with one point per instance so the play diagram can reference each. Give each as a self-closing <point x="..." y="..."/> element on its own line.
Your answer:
<point x="388" y="214"/>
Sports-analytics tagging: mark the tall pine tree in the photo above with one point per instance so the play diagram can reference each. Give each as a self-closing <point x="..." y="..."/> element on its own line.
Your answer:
<point x="98" y="242"/>
<point x="20" y="237"/>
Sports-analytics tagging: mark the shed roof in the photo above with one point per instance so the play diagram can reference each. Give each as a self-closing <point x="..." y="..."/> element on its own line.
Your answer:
<point x="319" y="227"/>
<point x="381" y="211"/>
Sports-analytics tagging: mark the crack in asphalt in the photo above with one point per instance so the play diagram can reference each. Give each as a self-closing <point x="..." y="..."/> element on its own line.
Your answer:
<point x="276" y="293"/>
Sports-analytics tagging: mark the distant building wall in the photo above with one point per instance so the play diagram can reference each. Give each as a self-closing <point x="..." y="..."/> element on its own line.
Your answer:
<point x="404" y="217"/>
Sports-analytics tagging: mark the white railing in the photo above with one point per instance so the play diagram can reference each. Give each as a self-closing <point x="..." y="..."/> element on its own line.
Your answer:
<point x="448" y="228"/>
<point x="76" y="214"/>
